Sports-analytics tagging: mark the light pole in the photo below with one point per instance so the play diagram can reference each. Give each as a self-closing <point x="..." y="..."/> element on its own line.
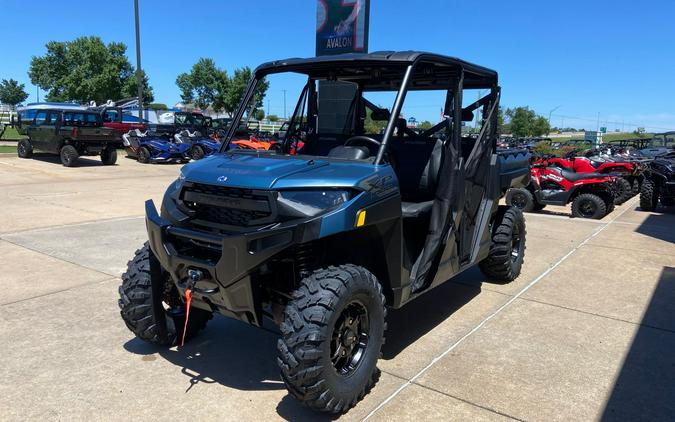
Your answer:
<point x="139" y="75"/>
<point x="284" y="104"/>
<point x="550" y="113"/>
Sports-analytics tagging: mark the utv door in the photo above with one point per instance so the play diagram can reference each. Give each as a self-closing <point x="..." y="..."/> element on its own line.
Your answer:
<point x="36" y="130"/>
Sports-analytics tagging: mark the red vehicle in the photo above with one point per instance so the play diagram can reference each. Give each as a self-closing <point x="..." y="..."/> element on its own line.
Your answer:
<point x="591" y="194"/>
<point x="112" y="118"/>
<point x="628" y="184"/>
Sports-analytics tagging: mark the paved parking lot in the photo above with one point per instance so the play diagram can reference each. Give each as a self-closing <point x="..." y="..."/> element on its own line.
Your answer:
<point x="587" y="331"/>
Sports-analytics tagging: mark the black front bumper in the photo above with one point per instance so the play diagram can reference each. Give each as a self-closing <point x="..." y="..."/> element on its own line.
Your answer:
<point x="227" y="261"/>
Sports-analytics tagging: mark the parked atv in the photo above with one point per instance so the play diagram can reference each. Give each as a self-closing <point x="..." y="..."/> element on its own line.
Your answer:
<point x="200" y="146"/>
<point x="659" y="183"/>
<point x="591" y="194"/>
<point x="148" y="147"/>
<point x="325" y="240"/>
<point x="629" y="174"/>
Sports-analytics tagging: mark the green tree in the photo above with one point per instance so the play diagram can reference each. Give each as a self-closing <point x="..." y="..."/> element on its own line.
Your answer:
<point x="86" y="69"/>
<point x="12" y="92"/>
<point x="237" y="87"/>
<point x="204" y="86"/>
<point x="273" y="118"/>
<point x="425" y="125"/>
<point x="259" y="114"/>
<point x="157" y="106"/>
<point x="520" y="121"/>
<point x="540" y="126"/>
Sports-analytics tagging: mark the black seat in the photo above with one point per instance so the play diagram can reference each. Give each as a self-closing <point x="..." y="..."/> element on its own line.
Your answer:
<point x="427" y="184"/>
<point x="350" y="152"/>
<point x="575" y="177"/>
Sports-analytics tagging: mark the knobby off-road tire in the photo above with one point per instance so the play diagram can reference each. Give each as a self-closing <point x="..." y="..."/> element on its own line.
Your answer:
<point x="507" y="252"/>
<point x="144" y="155"/>
<point x="24" y="149"/>
<point x="332" y="333"/>
<point x="197" y="152"/>
<point x="635" y="187"/>
<point x="624" y="190"/>
<point x="69" y="155"/>
<point x="520" y="198"/>
<point x="649" y="196"/>
<point x="109" y="156"/>
<point x="139" y="312"/>
<point x="589" y="205"/>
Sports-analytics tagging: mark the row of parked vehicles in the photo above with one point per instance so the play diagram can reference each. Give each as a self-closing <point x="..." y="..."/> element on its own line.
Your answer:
<point x="600" y="178"/>
<point x="72" y="131"/>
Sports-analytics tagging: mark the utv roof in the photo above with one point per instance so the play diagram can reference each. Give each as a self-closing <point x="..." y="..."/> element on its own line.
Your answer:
<point x="344" y="65"/>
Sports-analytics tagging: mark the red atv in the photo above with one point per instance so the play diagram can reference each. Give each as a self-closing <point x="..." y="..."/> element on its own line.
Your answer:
<point x="628" y="180"/>
<point x="591" y="194"/>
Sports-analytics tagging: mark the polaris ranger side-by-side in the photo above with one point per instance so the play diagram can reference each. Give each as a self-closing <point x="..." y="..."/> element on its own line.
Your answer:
<point x="323" y="240"/>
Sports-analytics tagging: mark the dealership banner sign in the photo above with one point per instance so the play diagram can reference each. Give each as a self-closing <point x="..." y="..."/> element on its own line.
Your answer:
<point x="342" y="26"/>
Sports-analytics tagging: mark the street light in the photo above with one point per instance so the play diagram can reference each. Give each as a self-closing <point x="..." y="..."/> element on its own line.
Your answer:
<point x="139" y="76"/>
<point x="551" y="113"/>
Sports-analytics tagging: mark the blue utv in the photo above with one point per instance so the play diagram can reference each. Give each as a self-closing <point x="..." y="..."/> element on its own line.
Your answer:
<point x="149" y="147"/>
<point x="343" y="222"/>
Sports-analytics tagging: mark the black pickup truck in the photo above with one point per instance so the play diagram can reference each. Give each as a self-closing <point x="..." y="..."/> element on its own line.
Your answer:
<point x="70" y="134"/>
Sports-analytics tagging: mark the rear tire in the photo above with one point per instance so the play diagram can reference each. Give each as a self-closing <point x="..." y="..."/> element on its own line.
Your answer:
<point x="141" y="313"/>
<point x="589" y="205"/>
<point x="649" y="196"/>
<point x="520" y="198"/>
<point x="332" y="333"/>
<point x="197" y="152"/>
<point x="109" y="156"/>
<point x="69" y="155"/>
<point x="624" y="189"/>
<point x="507" y="252"/>
<point x="24" y="149"/>
<point x="144" y="155"/>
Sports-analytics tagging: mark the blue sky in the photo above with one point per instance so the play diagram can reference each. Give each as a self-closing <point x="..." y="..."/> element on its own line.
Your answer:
<point x="616" y="58"/>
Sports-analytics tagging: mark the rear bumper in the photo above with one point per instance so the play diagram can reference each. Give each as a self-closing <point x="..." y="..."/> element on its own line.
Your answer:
<point x="227" y="261"/>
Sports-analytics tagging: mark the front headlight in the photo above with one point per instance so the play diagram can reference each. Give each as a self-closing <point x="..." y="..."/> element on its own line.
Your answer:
<point x="304" y="203"/>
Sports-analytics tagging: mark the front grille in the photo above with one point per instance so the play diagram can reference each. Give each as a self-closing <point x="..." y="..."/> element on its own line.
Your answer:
<point x="223" y="207"/>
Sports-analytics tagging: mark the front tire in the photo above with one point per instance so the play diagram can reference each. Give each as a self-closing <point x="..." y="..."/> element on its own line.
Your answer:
<point x="143" y="312"/>
<point x="649" y="196"/>
<point x="520" y="198"/>
<point x="24" y="149"/>
<point x="109" y="156"/>
<point x="624" y="189"/>
<point x="332" y="333"/>
<point x="589" y="205"/>
<point x="69" y="155"/>
<point x="507" y="251"/>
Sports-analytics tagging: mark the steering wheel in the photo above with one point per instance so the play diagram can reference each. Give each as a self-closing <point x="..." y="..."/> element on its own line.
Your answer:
<point x="358" y="138"/>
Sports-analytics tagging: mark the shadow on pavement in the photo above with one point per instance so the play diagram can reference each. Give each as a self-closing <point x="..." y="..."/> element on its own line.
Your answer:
<point x="227" y="352"/>
<point x="659" y="225"/>
<point x="644" y="389"/>
<point x="85" y="161"/>
<point x="416" y="318"/>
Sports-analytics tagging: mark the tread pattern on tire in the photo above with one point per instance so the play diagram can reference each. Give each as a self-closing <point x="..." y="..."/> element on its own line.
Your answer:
<point x="305" y="331"/>
<point x="648" y="196"/>
<point x="625" y="190"/>
<point x="529" y="198"/>
<point x="499" y="265"/>
<point x="69" y="155"/>
<point x="601" y="206"/>
<point x="136" y="306"/>
<point x="109" y="156"/>
<point x="28" y="149"/>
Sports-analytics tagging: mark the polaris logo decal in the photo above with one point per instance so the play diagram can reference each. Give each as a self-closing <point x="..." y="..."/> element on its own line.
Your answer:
<point x="222" y="179"/>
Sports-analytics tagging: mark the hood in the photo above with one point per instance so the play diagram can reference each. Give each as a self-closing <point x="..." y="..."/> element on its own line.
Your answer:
<point x="265" y="172"/>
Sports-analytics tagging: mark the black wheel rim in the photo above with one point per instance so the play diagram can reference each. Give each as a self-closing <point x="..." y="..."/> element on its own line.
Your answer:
<point x="143" y="154"/>
<point x="587" y="208"/>
<point x="519" y="200"/>
<point x="516" y="242"/>
<point x="350" y="338"/>
<point x="22" y="148"/>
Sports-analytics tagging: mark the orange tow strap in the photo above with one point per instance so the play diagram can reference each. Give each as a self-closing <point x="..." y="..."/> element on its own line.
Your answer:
<point x="188" y="301"/>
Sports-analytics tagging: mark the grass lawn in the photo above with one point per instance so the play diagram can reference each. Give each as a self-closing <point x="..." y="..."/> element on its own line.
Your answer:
<point x="11" y="134"/>
<point x="6" y="148"/>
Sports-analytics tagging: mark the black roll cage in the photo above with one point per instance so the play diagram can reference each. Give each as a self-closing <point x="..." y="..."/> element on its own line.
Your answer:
<point x="483" y="78"/>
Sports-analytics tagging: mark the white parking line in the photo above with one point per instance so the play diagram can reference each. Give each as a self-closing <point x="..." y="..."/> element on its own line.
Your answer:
<point x="495" y="313"/>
